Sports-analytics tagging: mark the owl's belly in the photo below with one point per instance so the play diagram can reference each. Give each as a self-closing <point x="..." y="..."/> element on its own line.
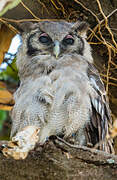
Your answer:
<point x="69" y="112"/>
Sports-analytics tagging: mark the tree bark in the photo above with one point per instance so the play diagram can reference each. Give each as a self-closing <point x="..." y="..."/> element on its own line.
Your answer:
<point x="54" y="163"/>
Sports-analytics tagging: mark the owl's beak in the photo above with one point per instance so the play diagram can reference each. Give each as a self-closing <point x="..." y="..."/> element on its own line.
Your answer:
<point x="56" y="49"/>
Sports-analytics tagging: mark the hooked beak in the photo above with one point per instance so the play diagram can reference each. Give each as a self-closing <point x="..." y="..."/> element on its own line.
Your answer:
<point x="56" y="49"/>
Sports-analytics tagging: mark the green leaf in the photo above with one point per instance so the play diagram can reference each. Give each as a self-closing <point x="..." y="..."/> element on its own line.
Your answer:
<point x="8" y="5"/>
<point x="3" y="117"/>
<point x="11" y="72"/>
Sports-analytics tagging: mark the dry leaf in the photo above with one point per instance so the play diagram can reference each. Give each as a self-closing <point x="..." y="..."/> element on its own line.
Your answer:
<point x="6" y="36"/>
<point x="6" y="100"/>
<point x="5" y="97"/>
<point x="5" y="107"/>
<point x="114" y="129"/>
<point x="2" y="85"/>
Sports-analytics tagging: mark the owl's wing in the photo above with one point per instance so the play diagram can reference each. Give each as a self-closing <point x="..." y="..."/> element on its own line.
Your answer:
<point x="100" y="118"/>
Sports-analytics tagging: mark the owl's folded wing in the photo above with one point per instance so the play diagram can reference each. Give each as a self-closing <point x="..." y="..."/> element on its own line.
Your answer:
<point x="97" y="131"/>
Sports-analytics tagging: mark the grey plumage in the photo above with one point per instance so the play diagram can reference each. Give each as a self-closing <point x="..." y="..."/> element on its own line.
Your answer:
<point x="61" y="91"/>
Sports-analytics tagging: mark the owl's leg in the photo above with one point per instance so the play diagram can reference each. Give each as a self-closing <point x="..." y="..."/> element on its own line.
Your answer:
<point x="80" y="137"/>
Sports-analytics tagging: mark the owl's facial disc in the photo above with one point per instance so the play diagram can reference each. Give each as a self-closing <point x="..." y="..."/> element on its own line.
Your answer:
<point x="56" y="49"/>
<point x="38" y="41"/>
<point x="68" y="40"/>
<point x="45" y="39"/>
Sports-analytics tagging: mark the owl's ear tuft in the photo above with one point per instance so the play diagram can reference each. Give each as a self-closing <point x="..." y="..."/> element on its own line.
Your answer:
<point x="26" y="26"/>
<point x="81" y="28"/>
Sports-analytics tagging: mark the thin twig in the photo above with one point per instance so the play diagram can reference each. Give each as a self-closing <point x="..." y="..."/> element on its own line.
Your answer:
<point x="29" y="11"/>
<point x="106" y="23"/>
<point x="85" y="148"/>
<point x="78" y="2"/>
<point x="44" y="7"/>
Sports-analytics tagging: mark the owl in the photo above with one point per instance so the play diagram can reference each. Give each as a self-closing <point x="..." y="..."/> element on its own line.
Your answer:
<point x="61" y="92"/>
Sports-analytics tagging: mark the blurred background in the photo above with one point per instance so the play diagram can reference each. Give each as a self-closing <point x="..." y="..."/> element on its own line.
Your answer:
<point x="8" y="84"/>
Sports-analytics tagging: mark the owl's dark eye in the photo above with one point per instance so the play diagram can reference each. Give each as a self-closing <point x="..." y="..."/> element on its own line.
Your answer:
<point x="45" y="39"/>
<point x="68" y="40"/>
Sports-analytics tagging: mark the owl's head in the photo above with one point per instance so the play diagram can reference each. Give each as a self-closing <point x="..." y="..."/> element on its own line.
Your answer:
<point x="55" y="39"/>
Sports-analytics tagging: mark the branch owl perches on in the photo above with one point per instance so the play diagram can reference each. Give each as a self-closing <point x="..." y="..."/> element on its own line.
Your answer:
<point x="61" y="92"/>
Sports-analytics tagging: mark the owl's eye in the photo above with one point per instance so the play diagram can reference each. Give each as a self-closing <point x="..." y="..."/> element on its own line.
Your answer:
<point x="45" y="39"/>
<point x="68" y="40"/>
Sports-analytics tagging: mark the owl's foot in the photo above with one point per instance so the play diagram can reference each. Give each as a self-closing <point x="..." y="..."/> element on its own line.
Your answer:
<point x="22" y="143"/>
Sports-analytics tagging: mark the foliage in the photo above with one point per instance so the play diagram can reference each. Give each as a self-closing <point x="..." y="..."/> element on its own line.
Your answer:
<point x="11" y="73"/>
<point x="6" y="5"/>
<point x="6" y="36"/>
<point x="3" y="117"/>
<point x="8" y="81"/>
